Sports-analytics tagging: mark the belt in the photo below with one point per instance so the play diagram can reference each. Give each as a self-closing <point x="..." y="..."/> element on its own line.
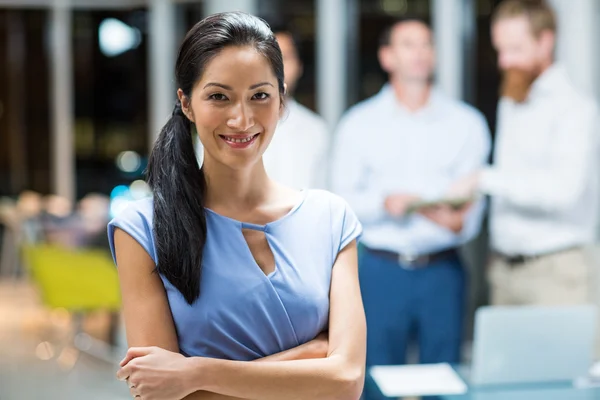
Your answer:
<point x="517" y="260"/>
<point x="413" y="261"/>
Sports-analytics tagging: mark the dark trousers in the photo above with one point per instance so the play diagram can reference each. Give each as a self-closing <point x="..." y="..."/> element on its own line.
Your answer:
<point x="426" y="304"/>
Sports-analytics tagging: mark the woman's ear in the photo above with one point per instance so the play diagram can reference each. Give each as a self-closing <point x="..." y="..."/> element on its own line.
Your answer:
<point x="283" y="101"/>
<point x="185" y="105"/>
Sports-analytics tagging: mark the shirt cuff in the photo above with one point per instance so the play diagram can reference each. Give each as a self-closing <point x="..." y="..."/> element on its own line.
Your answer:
<point x="491" y="182"/>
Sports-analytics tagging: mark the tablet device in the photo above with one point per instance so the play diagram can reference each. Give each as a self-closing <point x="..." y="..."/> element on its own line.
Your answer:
<point x="455" y="203"/>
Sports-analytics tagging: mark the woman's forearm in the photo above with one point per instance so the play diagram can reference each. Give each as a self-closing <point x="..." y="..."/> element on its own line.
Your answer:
<point x="316" y="348"/>
<point x="210" y="396"/>
<point x="328" y="378"/>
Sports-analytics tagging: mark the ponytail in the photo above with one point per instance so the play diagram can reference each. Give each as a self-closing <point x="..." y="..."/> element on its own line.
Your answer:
<point x="179" y="188"/>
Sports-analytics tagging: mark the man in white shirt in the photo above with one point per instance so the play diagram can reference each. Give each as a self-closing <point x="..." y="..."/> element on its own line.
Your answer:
<point x="297" y="154"/>
<point x="544" y="182"/>
<point x="408" y="143"/>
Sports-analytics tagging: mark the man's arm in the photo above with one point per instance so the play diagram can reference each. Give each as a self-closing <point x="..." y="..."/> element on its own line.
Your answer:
<point x="473" y="155"/>
<point x="572" y="156"/>
<point x="350" y="171"/>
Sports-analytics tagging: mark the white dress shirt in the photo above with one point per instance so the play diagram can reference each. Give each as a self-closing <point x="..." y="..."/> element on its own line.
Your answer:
<point x="381" y="148"/>
<point x="297" y="154"/>
<point x="544" y="179"/>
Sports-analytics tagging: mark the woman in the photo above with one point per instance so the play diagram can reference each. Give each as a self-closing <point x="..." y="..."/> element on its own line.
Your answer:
<point x="228" y="292"/>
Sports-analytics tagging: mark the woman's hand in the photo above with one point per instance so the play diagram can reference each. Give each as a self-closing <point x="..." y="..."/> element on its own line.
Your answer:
<point x="153" y="373"/>
<point x="320" y="346"/>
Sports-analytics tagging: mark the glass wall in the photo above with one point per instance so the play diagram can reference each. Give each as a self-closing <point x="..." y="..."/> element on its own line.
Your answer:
<point x="111" y="98"/>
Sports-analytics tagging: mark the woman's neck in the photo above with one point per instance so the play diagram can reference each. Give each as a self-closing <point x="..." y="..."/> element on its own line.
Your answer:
<point x="236" y="189"/>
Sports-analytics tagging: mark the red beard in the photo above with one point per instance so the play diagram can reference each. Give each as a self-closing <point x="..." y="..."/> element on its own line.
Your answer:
<point x="516" y="84"/>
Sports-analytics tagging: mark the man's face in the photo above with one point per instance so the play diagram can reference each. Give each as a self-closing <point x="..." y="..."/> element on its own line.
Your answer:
<point x="521" y="55"/>
<point x="292" y="66"/>
<point x="410" y="55"/>
<point x="516" y="46"/>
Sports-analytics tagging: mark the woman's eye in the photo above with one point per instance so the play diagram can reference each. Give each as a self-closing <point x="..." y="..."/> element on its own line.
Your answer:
<point x="218" y="97"/>
<point x="261" y="96"/>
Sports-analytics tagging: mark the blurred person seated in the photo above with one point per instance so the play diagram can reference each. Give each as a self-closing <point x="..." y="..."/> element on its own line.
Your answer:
<point x="58" y="222"/>
<point x="9" y="236"/>
<point x="29" y="209"/>
<point x="21" y="224"/>
<point x="93" y="214"/>
<point x="544" y="180"/>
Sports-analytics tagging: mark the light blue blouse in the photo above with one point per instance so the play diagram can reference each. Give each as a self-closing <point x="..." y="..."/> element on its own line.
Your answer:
<point x="243" y="314"/>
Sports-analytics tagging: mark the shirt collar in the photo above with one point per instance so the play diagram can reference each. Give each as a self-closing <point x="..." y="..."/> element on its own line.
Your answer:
<point x="391" y="105"/>
<point x="553" y="79"/>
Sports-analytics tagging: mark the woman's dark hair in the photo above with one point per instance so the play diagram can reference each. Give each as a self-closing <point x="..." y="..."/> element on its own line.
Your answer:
<point x="178" y="183"/>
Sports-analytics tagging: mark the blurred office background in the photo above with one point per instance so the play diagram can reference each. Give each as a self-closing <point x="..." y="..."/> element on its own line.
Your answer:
<point x="85" y="86"/>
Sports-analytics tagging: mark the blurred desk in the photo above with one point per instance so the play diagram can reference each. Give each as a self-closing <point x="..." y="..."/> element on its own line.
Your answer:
<point x="543" y="391"/>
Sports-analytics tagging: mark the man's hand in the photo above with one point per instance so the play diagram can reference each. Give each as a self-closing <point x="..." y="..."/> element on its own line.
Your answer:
<point x="446" y="216"/>
<point x="465" y="186"/>
<point x="397" y="204"/>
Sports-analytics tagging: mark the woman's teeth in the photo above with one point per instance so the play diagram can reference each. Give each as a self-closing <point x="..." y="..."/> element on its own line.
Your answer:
<point x="244" y="140"/>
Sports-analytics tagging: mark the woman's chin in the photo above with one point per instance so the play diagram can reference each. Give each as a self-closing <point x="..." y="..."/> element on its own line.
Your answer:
<point x="241" y="161"/>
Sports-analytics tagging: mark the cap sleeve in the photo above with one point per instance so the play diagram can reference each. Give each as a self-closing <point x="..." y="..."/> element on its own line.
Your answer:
<point x="136" y="221"/>
<point x="348" y="225"/>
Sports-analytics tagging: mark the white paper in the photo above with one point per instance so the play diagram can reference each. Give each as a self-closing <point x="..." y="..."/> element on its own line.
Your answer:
<point x="418" y="380"/>
<point x="595" y="370"/>
<point x="591" y="380"/>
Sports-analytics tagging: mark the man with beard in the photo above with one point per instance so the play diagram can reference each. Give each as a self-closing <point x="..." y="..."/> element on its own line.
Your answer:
<point x="544" y="183"/>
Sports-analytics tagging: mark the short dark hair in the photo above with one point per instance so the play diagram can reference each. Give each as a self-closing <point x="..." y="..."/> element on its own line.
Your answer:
<point x="287" y="28"/>
<point x="540" y="15"/>
<point x="385" y="37"/>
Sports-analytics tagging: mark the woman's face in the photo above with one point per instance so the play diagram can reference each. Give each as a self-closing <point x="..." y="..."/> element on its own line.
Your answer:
<point x="235" y="106"/>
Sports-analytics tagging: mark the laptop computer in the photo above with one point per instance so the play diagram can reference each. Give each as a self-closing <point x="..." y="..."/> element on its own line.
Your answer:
<point x="530" y="344"/>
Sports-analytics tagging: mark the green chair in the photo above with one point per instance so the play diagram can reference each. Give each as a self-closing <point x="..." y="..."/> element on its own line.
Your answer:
<point x="80" y="282"/>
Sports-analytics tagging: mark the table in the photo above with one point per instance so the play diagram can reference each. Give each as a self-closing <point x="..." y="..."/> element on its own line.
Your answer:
<point x="539" y="392"/>
<point x="547" y="391"/>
